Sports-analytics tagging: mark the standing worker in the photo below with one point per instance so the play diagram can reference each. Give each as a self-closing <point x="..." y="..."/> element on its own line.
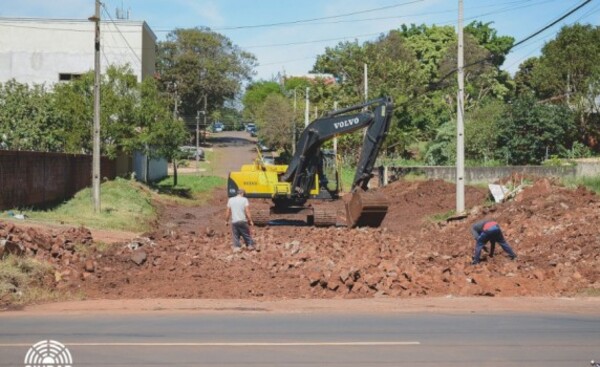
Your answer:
<point x="239" y="212"/>
<point x="488" y="230"/>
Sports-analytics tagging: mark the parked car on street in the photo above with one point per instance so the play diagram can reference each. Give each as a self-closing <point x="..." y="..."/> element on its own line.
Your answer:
<point x="250" y="127"/>
<point x="190" y="152"/>
<point x="218" y="127"/>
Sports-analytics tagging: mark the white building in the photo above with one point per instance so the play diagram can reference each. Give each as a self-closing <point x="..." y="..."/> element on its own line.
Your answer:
<point x="51" y="50"/>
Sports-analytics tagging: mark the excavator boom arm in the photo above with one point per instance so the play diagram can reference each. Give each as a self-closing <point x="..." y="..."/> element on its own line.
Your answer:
<point x="301" y="169"/>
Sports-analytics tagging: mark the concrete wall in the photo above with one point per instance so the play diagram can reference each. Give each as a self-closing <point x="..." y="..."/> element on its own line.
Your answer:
<point x="37" y="179"/>
<point x="38" y="50"/>
<point x="487" y="174"/>
<point x="149" y="170"/>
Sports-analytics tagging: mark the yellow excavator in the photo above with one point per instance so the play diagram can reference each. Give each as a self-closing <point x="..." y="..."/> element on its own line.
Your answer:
<point x="291" y="186"/>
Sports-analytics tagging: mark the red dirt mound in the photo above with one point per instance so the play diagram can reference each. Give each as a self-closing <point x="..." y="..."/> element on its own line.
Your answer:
<point x="552" y="229"/>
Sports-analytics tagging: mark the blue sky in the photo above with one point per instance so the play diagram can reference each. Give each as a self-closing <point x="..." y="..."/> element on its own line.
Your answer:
<point x="292" y="48"/>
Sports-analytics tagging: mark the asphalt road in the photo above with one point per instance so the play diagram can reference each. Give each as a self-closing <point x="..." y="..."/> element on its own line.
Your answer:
<point x="259" y="339"/>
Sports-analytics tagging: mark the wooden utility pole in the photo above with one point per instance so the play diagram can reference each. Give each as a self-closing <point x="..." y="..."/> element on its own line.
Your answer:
<point x="460" y="128"/>
<point x="96" y="125"/>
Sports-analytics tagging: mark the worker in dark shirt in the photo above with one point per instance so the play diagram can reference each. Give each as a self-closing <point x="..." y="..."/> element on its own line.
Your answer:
<point x="488" y="230"/>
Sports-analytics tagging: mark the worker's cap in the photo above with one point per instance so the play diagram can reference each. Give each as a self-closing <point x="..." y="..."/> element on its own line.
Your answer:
<point x="241" y="192"/>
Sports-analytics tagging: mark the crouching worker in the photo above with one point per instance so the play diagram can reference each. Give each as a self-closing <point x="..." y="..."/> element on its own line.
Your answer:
<point x="488" y="230"/>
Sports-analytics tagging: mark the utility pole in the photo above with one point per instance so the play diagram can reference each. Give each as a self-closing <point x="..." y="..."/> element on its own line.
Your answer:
<point x="306" y="108"/>
<point x="294" y="124"/>
<point x="460" y="128"/>
<point x="197" y="142"/>
<point x="96" y="127"/>
<point x="366" y="77"/>
<point x="335" y="144"/>
<point x="205" y="112"/>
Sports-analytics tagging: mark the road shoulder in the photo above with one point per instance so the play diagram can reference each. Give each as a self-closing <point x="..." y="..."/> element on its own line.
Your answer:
<point x="445" y="305"/>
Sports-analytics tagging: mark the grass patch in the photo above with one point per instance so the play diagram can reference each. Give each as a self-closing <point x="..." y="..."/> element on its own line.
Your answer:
<point x="190" y="187"/>
<point x="22" y="280"/>
<point x="125" y="205"/>
<point x="590" y="292"/>
<point x="205" y="165"/>
<point x="442" y="217"/>
<point x="592" y="183"/>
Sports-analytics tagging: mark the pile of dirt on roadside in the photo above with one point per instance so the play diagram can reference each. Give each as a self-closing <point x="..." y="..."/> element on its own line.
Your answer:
<point x="552" y="229"/>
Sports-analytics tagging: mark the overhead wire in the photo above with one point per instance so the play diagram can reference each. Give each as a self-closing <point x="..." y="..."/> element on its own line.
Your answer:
<point x="137" y="57"/>
<point x="372" y="34"/>
<point x="311" y="23"/>
<point x="379" y="33"/>
<point x="526" y="56"/>
<point x="321" y="18"/>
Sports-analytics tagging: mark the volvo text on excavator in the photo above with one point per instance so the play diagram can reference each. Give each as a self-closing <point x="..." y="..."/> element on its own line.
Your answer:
<point x="291" y="186"/>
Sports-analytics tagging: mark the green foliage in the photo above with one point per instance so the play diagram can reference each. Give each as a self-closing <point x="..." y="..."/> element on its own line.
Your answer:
<point x="198" y="62"/>
<point x="275" y="122"/>
<point x="27" y="119"/>
<point x="530" y="131"/>
<point x="568" y="73"/>
<point x="487" y="37"/>
<point x="442" y="150"/>
<point x="191" y="186"/>
<point x="255" y="97"/>
<point x="126" y="205"/>
<point x="592" y="183"/>
<point x="22" y="279"/>
<point x="481" y="131"/>
<point x="568" y="61"/>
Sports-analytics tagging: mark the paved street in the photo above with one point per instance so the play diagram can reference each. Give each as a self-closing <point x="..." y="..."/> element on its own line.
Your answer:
<point x="259" y="339"/>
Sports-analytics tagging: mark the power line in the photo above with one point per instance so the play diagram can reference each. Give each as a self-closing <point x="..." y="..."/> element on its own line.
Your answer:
<point x="553" y="23"/>
<point x="321" y="18"/>
<point x="453" y="10"/>
<point x="126" y="42"/>
<point x="378" y="33"/>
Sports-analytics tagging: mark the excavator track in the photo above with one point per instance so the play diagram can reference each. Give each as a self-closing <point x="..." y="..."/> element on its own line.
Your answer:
<point x="324" y="217"/>
<point x="366" y="209"/>
<point x="261" y="217"/>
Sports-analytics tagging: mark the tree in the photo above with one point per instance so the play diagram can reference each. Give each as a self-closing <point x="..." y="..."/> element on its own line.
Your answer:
<point x="255" y="96"/>
<point x="160" y="135"/>
<point x="275" y="122"/>
<point x="197" y="62"/>
<point x="567" y="62"/>
<point x="567" y="72"/>
<point x="524" y="82"/>
<point x="486" y="36"/>
<point x="530" y="131"/>
<point x="27" y="120"/>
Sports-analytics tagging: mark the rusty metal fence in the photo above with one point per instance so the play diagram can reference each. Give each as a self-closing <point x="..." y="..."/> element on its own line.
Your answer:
<point x="37" y="179"/>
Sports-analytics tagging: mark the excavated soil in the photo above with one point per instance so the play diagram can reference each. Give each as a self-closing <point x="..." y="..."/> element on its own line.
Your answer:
<point x="553" y="230"/>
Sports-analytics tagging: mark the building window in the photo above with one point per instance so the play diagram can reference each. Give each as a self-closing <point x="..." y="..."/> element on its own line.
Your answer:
<point x="63" y="77"/>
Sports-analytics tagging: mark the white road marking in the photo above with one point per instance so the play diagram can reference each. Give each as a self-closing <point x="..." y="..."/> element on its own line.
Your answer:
<point x="242" y="344"/>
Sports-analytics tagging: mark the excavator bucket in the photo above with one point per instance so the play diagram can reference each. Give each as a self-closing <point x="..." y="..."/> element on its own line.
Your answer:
<point x="366" y="209"/>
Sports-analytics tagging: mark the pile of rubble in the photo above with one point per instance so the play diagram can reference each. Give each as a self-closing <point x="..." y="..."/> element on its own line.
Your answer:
<point x="415" y="253"/>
